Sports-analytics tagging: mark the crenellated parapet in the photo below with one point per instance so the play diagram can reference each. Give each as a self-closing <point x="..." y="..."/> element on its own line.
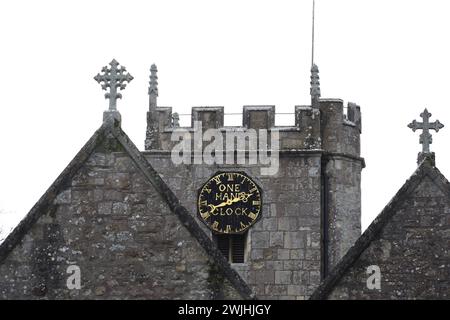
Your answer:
<point x="327" y="128"/>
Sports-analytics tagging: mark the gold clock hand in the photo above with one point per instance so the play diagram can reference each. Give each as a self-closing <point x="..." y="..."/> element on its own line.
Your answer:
<point x="236" y="199"/>
<point x="244" y="196"/>
<point x="222" y="204"/>
<point x="241" y="197"/>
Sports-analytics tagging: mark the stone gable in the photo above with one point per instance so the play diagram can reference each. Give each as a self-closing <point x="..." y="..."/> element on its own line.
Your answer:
<point x="105" y="217"/>
<point x="409" y="242"/>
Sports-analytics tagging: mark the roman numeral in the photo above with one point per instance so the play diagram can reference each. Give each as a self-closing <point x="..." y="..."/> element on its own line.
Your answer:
<point x="217" y="180"/>
<point x="243" y="225"/>
<point x="252" y="216"/>
<point x="253" y="190"/>
<point x="256" y="203"/>
<point x="230" y="176"/>
<point x="204" y="203"/>
<point x="208" y="190"/>
<point x="205" y="215"/>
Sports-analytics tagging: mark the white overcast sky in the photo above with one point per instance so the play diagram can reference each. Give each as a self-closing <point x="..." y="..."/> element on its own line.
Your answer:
<point x="389" y="56"/>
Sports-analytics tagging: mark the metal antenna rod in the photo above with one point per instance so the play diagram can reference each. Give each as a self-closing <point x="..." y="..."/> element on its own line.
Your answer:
<point x="313" y="18"/>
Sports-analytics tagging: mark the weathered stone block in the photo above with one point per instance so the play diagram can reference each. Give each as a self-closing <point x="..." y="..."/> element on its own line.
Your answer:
<point x="274" y="265"/>
<point x="312" y="254"/>
<point x="135" y="198"/>
<point x="276" y="239"/>
<point x="260" y="239"/>
<point x="300" y="277"/>
<point x="256" y="254"/>
<point x="275" y="290"/>
<point x="113" y="195"/>
<point x="283" y="277"/>
<point x="292" y="265"/>
<point x="269" y="254"/>
<point x="118" y="180"/>
<point x="297" y="254"/>
<point x="104" y="208"/>
<point x="120" y="209"/>
<point x="314" y="276"/>
<point x="294" y="239"/>
<point x="311" y="265"/>
<point x="124" y="164"/>
<point x="265" y="277"/>
<point x="64" y="197"/>
<point x="97" y="195"/>
<point x="296" y="290"/>
<point x="283" y="254"/>
<point x="287" y="223"/>
<point x="270" y="224"/>
<point x="96" y="159"/>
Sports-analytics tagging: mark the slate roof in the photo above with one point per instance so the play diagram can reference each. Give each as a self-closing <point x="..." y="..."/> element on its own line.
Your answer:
<point x="425" y="169"/>
<point x="111" y="129"/>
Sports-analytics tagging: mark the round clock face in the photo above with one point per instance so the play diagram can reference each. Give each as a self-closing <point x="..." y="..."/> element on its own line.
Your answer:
<point x="229" y="202"/>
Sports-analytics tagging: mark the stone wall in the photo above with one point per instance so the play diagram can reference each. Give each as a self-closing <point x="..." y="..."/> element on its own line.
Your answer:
<point x="115" y="227"/>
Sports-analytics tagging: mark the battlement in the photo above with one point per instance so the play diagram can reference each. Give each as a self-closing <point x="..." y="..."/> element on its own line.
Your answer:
<point x="323" y="125"/>
<point x="257" y="117"/>
<point x="340" y="129"/>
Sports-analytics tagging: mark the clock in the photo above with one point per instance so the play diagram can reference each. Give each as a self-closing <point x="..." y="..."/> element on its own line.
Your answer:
<point x="229" y="203"/>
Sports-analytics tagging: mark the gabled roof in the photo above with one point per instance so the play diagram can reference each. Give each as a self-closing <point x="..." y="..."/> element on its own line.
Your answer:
<point x="425" y="169"/>
<point x="111" y="129"/>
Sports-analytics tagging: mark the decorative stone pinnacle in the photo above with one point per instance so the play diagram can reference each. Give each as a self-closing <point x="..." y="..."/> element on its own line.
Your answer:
<point x="175" y="120"/>
<point x="153" y="88"/>
<point x="426" y="138"/>
<point x="113" y="78"/>
<point x="315" y="85"/>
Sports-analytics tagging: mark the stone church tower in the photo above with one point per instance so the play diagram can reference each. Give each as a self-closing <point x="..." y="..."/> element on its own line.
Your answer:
<point x="119" y="222"/>
<point x="312" y="206"/>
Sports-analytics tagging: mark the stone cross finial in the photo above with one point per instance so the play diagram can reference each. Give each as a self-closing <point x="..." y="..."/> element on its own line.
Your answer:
<point x="153" y="88"/>
<point x="113" y="78"/>
<point x="426" y="138"/>
<point x="315" y="85"/>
